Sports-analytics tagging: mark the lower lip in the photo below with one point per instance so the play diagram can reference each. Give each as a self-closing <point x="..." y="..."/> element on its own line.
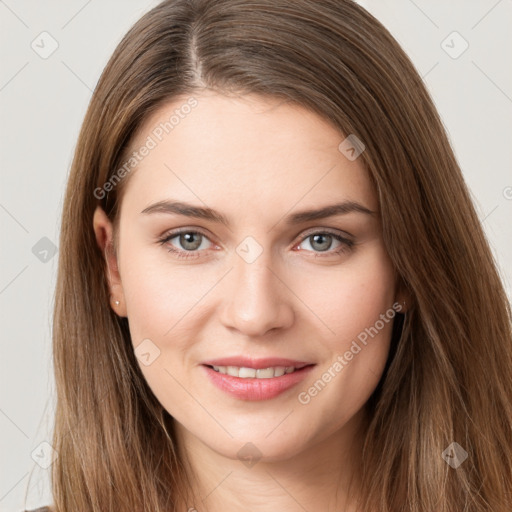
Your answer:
<point x="256" y="389"/>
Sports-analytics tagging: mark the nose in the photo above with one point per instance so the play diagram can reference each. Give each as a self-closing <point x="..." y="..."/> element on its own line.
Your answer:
<point x="256" y="299"/>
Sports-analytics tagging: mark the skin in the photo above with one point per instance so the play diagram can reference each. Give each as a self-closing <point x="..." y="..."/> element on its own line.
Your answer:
<point x="255" y="161"/>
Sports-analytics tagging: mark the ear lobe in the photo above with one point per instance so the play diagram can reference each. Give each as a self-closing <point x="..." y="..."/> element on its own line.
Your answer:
<point x="104" y="233"/>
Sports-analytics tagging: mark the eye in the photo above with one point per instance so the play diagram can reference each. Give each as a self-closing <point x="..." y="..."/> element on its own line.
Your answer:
<point x="188" y="243"/>
<point x="323" y="241"/>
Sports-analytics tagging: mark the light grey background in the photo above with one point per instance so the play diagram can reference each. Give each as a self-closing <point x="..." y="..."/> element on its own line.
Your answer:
<point x="43" y="101"/>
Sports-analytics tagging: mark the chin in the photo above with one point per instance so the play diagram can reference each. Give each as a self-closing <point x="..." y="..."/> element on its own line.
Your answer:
<point x="259" y="445"/>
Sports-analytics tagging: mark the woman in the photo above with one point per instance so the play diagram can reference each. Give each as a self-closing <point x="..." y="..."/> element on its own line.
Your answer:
<point x="274" y="291"/>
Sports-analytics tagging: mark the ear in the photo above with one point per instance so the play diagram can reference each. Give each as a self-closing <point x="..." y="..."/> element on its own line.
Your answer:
<point x="103" y="230"/>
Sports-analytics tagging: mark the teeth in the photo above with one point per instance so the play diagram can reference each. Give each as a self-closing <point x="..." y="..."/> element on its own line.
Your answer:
<point x="251" y="373"/>
<point x="232" y="370"/>
<point x="265" y="373"/>
<point x="247" y="373"/>
<point x="279" y="371"/>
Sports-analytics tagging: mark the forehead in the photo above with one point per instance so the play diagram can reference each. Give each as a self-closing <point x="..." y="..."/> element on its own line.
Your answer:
<point x="241" y="152"/>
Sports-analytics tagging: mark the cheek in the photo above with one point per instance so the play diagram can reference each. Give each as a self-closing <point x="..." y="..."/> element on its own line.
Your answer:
<point x="160" y="305"/>
<point x="351" y="297"/>
<point x="157" y="294"/>
<point x="357" y="307"/>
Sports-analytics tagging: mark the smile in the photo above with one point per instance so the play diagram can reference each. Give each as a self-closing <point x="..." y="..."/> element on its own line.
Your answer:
<point x="259" y="380"/>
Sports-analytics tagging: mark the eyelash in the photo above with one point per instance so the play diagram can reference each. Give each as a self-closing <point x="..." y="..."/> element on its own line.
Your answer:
<point x="346" y="246"/>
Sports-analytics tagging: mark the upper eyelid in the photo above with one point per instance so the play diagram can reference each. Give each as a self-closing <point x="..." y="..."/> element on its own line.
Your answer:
<point x="169" y="235"/>
<point x="332" y="231"/>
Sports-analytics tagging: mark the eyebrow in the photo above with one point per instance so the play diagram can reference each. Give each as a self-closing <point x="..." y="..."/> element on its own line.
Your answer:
<point x="189" y="210"/>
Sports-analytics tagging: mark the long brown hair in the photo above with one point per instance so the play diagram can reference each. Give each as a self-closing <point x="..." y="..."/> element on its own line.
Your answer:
<point x="449" y="374"/>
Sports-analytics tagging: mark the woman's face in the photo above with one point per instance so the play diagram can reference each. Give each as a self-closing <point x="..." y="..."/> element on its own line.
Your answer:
<point x="259" y="278"/>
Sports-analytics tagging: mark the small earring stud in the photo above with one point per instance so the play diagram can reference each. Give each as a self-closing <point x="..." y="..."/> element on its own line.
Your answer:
<point x="116" y="302"/>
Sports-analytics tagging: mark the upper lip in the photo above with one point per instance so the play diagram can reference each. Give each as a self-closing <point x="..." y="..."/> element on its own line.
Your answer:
<point x="257" y="364"/>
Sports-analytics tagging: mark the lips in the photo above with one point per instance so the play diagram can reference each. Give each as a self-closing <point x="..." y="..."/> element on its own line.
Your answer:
<point x="255" y="379"/>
